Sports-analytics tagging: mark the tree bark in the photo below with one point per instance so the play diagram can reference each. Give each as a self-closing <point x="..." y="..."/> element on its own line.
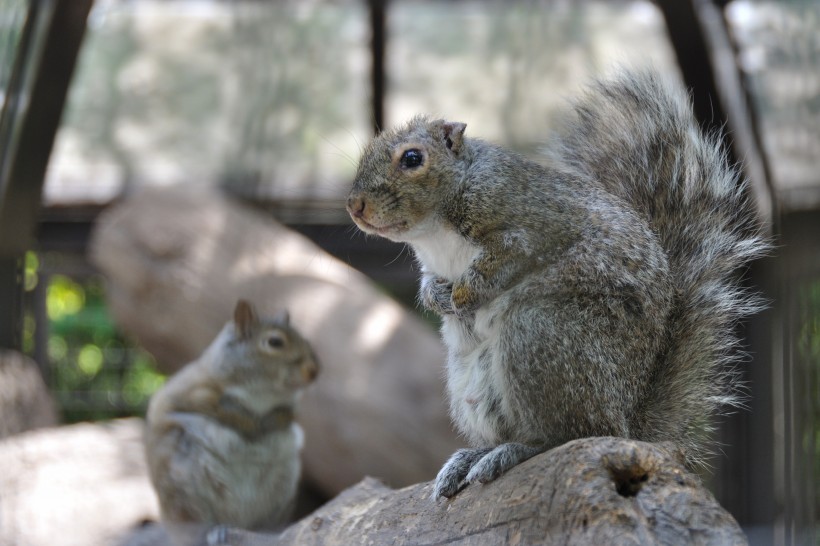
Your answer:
<point x="176" y="262"/>
<point x="604" y="491"/>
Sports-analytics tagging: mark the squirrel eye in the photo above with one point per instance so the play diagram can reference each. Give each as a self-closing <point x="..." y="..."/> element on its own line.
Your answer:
<point x="275" y="342"/>
<point x="411" y="158"/>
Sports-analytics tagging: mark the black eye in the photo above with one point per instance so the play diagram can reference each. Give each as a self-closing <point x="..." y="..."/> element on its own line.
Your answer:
<point x="411" y="158"/>
<point x="275" y="342"/>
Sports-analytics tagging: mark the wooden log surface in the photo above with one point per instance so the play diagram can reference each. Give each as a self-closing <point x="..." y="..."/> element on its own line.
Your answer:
<point x="176" y="262"/>
<point x="593" y="491"/>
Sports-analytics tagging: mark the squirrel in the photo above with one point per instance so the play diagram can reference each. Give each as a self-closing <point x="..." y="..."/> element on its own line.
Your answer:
<point x="591" y="293"/>
<point x="221" y="442"/>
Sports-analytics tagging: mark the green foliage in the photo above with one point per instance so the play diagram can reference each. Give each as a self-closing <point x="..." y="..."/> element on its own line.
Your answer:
<point x="96" y="373"/>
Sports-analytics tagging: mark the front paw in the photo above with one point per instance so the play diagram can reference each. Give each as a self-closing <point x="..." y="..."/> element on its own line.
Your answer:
<point x="465" y="299"/>
<point x="436" y="294"/>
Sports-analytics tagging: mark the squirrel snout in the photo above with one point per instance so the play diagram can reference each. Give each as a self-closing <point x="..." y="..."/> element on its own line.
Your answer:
<point x="356" y="206"/>
<point x="310" y="369"/>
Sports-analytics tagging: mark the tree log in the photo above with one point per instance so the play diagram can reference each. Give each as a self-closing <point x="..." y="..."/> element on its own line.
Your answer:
<point x="602" y="491"/>
<point x="176" y="262"/>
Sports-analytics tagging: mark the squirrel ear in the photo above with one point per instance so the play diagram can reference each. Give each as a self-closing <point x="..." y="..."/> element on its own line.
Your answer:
<point x="244" y="317"/>
<point x="454" y="134"/>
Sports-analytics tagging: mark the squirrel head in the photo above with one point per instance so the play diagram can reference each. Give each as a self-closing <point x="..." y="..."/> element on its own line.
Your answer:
<point x="268" y="351"/>
<point x="403" y="176"/>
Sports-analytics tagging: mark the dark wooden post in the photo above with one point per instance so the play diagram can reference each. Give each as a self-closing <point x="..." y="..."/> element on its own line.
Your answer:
<point x="34" y="99"/>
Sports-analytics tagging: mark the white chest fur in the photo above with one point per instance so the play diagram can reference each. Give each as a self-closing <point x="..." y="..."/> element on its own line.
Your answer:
<point x="472" y="384"/>
<point x="444" y="252"/>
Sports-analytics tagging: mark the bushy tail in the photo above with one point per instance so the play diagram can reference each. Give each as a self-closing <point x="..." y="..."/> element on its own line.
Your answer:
<point x="639" y="138"/>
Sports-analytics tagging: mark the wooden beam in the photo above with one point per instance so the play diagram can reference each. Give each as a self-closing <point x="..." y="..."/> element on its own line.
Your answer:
<point x="707" y="59"/>
<point x="35" y="95"/>
<point x="11" y="296"/>
<point x="378" y="27"/>
<point x="31" y="113"/>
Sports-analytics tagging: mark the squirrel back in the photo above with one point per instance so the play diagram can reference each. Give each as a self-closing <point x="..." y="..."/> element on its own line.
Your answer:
<point x="637" y="136"/>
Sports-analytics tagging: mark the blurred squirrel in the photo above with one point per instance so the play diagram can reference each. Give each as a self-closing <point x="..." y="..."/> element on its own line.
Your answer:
<point x="221" y="442"/>
<point x="590" y="294"/>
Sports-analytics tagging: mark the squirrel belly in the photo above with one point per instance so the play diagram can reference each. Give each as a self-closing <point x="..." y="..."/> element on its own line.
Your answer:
<point x="255" y="485"/>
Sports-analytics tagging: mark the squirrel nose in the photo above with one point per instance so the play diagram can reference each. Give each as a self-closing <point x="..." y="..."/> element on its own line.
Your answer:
<point x="310" y="369"/>
<point x="312" y="373"/>
<point x="356" y="206"/>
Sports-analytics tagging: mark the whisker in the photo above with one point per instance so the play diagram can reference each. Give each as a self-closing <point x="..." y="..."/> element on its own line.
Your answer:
<point x="399" y="255"/>
<point x="342" y="153"/>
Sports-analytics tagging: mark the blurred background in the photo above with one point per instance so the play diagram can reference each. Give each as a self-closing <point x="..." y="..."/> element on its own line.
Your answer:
<point x="271" y="103"/>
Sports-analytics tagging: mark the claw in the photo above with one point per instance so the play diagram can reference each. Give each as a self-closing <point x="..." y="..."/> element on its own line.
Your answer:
<point x="450" y="479"/>
<point x="484" y="465"/>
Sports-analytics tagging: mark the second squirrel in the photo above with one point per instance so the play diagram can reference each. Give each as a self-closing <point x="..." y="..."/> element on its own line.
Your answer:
<point x="590" y="294"/>
<point x="221" y="442"/>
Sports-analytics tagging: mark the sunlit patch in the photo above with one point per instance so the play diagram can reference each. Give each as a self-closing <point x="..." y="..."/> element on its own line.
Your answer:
<point x="378" y="326"/>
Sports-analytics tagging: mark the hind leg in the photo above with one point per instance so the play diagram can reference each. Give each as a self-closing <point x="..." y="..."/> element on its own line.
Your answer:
<point x="451" y="477"/>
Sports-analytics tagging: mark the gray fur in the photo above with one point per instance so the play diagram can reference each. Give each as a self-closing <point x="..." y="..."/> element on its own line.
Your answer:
<point x="593" y="294"/>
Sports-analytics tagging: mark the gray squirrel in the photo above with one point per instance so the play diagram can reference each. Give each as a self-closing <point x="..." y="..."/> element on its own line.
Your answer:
<point x="221" y="442"/>
<point x="593" y="293"/>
